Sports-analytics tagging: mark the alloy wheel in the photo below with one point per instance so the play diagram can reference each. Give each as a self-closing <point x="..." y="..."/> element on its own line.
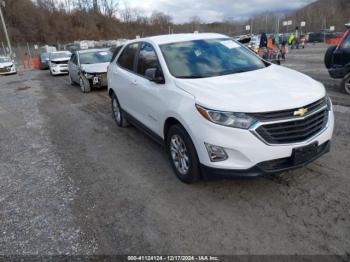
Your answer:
<point x="179" y="154"/>
<point x="116" y="110"/>
<point x="347" y="86"/>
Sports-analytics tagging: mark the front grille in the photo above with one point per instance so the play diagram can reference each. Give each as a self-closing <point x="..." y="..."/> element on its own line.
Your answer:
<point x="278" y="115"/>
<point x="294" y="131"/>
<point x="65" y="62"/>
<point x="5" y="69"/>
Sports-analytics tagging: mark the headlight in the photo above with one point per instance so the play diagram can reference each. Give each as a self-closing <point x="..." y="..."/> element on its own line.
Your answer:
<point x="329" y="103"/>
<point x="231" y="119"/>
<point x="53" y="65"/>
<point x="87" y="75"/>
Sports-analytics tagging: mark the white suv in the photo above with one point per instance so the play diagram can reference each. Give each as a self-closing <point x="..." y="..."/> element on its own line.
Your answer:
<point x="219" y="108"/>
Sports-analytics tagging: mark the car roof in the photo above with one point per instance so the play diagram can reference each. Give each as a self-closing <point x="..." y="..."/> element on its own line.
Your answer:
<point x="175" y="38"/>
<point x="92" y="50"/>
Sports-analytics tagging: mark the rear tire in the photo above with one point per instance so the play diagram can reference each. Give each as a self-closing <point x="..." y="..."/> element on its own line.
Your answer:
<point x="328" y="57"/>
<point x="345" y="84"/>
<point x="182" y="154"/>
<point x="117" y="112"/>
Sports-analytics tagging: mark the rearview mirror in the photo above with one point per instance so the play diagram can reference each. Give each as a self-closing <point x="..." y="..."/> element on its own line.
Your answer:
<point x="154" y="75"/>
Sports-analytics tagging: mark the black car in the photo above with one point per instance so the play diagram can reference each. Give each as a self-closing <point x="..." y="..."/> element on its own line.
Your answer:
<point x="44" y="61"/>
<point x="337" y="61"/>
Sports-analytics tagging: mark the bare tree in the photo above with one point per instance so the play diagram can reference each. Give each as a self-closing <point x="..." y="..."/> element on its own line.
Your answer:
<point x="109" y="7"/>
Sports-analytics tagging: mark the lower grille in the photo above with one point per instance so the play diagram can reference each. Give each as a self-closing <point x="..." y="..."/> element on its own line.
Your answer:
<point x="5" y="69"/>
<point x="294" y="131"/>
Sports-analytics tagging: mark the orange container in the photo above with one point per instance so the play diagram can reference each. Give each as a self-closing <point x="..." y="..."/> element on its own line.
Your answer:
<point x="36" y="63"/>
<point x="333" y="41"/>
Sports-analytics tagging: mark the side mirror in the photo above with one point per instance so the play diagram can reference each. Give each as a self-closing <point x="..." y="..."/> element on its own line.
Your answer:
<point x="154" y="75"/>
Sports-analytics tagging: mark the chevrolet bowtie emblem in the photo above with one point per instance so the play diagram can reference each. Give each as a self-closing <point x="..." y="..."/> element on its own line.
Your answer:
<point x="301" y="112"/>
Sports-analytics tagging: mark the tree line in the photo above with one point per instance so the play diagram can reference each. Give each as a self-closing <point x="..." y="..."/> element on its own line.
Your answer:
<point x="52" y="21"/>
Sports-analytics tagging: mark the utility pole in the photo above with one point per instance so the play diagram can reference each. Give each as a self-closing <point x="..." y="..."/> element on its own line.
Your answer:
<point x="251" y="26"/>
<point x="2" y="3"/>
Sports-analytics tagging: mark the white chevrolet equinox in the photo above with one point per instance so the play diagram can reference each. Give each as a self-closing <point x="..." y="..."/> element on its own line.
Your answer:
<point x="217" y="107"/>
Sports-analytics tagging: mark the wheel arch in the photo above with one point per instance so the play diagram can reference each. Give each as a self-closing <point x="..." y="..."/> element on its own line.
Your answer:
<point x="169" y="122"/>
<point x="110" y="92"/>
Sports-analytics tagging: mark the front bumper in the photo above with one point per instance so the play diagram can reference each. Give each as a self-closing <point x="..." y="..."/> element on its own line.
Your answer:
<point x="59" y="70"/>
<point x="268" y="167"/>
<point x="8" y="72"/>
<point x="247" y="154"/>
<point x="98" y="80"/>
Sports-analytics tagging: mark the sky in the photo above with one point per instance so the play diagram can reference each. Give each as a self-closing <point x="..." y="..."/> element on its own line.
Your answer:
<point x="213" y="10"/>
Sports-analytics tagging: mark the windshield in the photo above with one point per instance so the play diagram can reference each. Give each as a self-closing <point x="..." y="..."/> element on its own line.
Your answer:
<point x="209" y="57"/>
<point x="5" y="60"/>
<point x="95" y="57"/>
<point x="60" y="55"/>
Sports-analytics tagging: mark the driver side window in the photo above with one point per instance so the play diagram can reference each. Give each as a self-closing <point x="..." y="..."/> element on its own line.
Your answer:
<point x="147" y="59"/>
<point x="73" y="59"/>
<point x="346" y="42"/>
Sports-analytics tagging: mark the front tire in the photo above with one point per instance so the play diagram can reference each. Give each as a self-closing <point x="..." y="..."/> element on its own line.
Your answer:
<point x="328" y="57"/>
<point x="84" y="85"/>
<point x="346" y="84"/>
<point x="117" y="112"/>
<point x="182" y="155"/>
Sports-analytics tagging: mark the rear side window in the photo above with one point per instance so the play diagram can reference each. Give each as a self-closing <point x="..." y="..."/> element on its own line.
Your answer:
<point x="73" y="59"/>
<point x="127" y="58"/>
<point x="147" y="59"/>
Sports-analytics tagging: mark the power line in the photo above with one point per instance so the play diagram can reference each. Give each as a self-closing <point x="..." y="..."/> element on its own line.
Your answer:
<point x="2" y="3"/>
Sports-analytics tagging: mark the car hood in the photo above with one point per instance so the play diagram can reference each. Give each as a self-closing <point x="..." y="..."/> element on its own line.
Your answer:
<point x="60" y="59"/>
<point x="95" y="68"/>
<point x="2" y="65"/>
<point x="270" y="89"/>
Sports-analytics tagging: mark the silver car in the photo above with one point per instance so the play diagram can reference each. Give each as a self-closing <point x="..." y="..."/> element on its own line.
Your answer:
<point x="88" y="68"/>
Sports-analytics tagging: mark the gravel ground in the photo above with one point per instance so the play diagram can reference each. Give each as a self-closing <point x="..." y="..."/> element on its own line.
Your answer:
<point x="73" y="183"/>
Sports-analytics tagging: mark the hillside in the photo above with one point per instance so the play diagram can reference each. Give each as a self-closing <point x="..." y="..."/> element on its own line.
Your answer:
<point x="47" y="21"/>
<point x="324" y="13"/>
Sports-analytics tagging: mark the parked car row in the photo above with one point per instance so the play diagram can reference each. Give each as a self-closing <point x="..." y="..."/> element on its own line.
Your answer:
<point x="88" y="68"/>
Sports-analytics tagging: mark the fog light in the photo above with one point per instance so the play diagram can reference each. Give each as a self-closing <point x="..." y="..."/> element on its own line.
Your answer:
<point x="216" y="153"/>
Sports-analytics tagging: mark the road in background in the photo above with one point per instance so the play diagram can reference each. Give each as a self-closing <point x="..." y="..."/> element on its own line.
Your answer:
<point x="72" y="182"/>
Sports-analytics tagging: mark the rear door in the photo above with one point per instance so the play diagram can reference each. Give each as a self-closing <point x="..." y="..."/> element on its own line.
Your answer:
<point x="123" y="79"/>
<point x="342" y="53"/>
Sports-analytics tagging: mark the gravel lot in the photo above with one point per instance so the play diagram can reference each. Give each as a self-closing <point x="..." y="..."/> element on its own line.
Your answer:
<point x="73" y="183"/>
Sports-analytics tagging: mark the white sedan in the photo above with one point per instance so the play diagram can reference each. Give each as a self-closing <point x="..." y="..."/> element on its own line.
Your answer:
<point x="7" y="66"/>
